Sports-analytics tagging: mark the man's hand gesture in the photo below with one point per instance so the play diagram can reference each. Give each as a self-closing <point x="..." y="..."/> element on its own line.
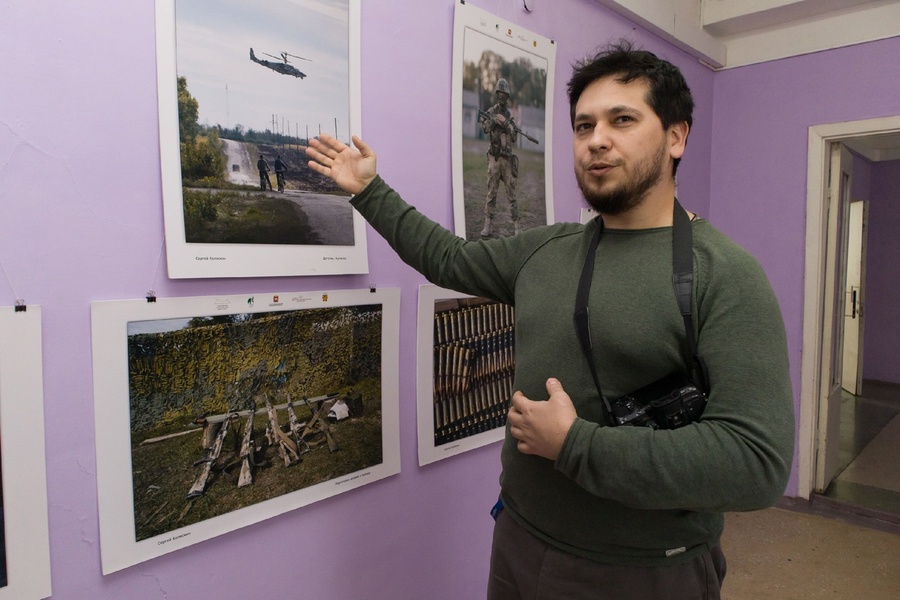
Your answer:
<point x="541" y="427"/>
<point x="351" y="168"/>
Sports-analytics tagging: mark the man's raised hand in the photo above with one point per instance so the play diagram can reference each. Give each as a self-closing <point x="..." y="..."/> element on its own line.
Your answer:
<point x="351" y="168"/>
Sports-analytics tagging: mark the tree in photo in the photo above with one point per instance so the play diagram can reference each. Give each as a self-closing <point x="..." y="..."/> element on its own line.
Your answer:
<point x="201" y="157"/>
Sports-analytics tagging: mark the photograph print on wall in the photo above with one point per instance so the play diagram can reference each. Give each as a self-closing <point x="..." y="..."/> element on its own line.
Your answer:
<point x="239" y="408"/>
<point x="24" y="529"/>
<point x="501" y="123"/>
<point x="466" y="350"/>
<point x="242" y="89"/>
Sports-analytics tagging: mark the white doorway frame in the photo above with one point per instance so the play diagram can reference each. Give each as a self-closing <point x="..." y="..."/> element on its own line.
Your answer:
<point x="819" y="143"/>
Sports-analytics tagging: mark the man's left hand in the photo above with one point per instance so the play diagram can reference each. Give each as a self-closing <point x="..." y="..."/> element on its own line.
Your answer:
<point x="541" y="427"/>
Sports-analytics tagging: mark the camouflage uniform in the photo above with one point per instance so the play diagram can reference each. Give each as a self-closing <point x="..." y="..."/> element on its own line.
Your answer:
<point x="502" y="164"/>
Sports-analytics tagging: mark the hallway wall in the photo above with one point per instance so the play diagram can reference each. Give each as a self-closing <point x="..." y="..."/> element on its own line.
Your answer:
<point x="881" y="350"/>
<point x="761" y="118"/>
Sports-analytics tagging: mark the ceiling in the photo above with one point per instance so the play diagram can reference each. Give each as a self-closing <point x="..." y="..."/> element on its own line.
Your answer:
<point x="876" y="148"/>
<point x="730" y="33"/>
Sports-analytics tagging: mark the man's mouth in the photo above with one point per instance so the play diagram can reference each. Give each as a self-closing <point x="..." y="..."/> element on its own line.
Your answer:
<point x="599" y="169"/>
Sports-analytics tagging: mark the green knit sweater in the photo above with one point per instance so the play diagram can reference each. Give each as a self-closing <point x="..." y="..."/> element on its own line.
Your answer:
<point x="625" y="495"/>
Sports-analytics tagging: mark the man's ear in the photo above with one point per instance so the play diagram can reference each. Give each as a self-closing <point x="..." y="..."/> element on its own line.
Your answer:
<point x="676" y="136"/>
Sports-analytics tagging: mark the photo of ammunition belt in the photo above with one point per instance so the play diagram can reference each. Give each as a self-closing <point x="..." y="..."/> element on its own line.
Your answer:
<point x="474" y="362"/>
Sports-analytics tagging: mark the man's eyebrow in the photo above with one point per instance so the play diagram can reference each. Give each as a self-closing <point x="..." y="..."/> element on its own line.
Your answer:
<point x="611" y="111"/>
<point x="622" y="109"/>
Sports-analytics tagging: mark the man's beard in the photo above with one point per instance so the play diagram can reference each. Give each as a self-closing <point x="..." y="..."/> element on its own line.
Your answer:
<point x="629" y="194"/>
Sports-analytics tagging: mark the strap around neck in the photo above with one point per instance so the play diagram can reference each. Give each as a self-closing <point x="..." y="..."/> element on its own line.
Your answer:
<point x="682" y="281"/>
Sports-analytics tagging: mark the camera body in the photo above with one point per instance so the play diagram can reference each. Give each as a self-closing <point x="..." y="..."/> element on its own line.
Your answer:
<point x="668" y="403"/>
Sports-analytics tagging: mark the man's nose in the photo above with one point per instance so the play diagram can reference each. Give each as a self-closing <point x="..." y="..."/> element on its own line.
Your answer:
<point x="600" y="138"/>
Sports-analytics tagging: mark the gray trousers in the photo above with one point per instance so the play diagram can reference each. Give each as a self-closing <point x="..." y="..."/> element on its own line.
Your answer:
<point x="525" y="568"/>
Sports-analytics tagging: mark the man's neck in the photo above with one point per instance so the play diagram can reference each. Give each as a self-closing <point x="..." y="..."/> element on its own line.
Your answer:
<point x="654" y="211"/>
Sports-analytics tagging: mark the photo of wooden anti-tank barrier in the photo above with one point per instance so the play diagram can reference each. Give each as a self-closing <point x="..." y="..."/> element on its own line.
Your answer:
<point x="474" y="363"/>
<point x="503" y="138"/>
<point x="231" y="410"/>
<point x="255" y="81"/>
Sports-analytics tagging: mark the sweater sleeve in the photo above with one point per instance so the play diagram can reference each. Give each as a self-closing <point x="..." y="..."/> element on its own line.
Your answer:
<point x="738" y="457"/>
<point x="484" y="268"/>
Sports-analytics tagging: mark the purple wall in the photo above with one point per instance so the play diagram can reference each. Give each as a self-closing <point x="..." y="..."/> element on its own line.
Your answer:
<point x="878" y="183"/>
<point x="861" y="184"/>
<point x="81" y="220"/>
<point x="881" y="342"/>
<point x="761" y="118"/>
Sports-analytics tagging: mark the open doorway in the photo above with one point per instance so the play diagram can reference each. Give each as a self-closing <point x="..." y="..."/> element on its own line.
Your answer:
<point x="844" y="417"/>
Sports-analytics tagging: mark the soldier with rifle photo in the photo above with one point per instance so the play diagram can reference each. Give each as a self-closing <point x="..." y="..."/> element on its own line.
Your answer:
<point x="500" y="126"/>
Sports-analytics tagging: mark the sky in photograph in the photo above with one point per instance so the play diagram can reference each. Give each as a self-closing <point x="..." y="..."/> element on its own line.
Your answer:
<point x="157" y="325"/>
<point x="475" y="43"/>
<point x="213" y="52"/>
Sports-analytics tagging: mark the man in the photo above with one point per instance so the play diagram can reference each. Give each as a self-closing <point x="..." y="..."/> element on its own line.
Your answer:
<point x="280" y="170"/>
<point x="500" y="127"/>
<point x="263" y="167"/>
<point x="591" y="510"/>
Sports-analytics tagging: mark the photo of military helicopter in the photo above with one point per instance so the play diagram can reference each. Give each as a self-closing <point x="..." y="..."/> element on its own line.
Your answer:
<point x="284" y="67"/>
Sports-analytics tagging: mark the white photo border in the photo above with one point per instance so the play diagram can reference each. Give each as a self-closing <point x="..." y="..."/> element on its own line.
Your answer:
<point x="476" y="20"/>
<point x="428" y="451"/>
<point x="109" y="323"/>
<point x="242" y="260"/>
<point x="24" y="468"/>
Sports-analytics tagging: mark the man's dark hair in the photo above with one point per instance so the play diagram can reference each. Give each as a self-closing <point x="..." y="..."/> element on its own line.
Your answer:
<point x="669" y="95"/>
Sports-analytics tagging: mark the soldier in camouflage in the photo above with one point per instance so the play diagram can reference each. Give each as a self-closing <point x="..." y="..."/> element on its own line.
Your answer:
<point x="498" y="123"/>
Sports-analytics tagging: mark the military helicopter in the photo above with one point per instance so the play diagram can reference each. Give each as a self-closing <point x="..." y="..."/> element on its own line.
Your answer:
<point x="284" y="67"/>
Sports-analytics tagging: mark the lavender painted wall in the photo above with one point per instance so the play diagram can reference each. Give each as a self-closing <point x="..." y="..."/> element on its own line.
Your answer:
<point x="881" y="342"/>
<point x="879" y="184"/>
<point x="81" y="220"/>
<point x="861" y="183"/>
<point x="761" y="117"/>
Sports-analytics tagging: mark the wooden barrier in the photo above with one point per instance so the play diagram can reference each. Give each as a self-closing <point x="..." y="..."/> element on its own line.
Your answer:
<point x="292" y="440"/>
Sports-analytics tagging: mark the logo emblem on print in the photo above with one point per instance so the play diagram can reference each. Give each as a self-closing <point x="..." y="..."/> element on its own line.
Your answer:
<point x="250" y="301"/>
<point x="275" y="298"/>
<point x="324" y="297"/>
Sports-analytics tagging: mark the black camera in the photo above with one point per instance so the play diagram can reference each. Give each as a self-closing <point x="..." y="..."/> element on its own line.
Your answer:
<point x="668" y="403"/>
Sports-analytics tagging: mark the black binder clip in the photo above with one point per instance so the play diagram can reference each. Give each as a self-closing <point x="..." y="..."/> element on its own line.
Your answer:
<point x="151" y="296"/>
<point x="20" y="305"/>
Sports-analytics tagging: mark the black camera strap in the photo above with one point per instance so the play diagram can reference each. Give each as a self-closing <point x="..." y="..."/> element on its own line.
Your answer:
<point x="682" y="282"/>
<point x="582" y="312"/>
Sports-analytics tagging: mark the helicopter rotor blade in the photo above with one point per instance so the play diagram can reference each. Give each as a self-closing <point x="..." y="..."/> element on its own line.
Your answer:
<point x="295" y="56"/>
<point x="271" y="55"/>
